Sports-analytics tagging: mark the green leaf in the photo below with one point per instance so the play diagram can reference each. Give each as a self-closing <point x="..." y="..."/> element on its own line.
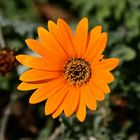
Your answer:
<point x="124" y="53"/>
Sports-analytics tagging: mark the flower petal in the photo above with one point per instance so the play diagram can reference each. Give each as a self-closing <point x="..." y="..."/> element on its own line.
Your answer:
<point x="36" y="46"/>
<point x="47" y="90"/>
<point x="98" y="48"/>
<point x="29" y="86"/>
<point x="90" y="99"/>
<point x="96" y="91"/>
<point x="39" y="63"/>
<point x="37" y="75"/>
<point x="94" y="36"/>
<point x="81" y="112"/>
<point x="71" y="100"/>
<point x="102" y="85"/>
<point x="63" y="35"/>
<point x="51" y="44"/>
<point x="81" y="37"/>
<point x="107" y="64"/>
<point x="103" y="75"/>
<point x="59" y="110"/>
<point x="55" y="100"/>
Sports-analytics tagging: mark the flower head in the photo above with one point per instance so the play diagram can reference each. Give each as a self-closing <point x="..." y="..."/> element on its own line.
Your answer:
<point x="7" y="61"/>
<point x="71" y="73"/>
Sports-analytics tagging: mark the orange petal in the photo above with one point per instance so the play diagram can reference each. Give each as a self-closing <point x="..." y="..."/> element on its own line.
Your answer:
<point x="36" y="46"/>
<point x="37" y="75"/>
<point x="71" y="100"/>
<point x="90" y="99"/>
<point x="94" y="35"/>
<point x="54" y="101"/>
<point x="103" y="75"/>
<point x="54" y="30"/>
<point x="39" y="48"/>
<point x="107" y="64"/>
<point x="103" y="86"/>
<point x="47" y="90"/>
<point x="102" y="46"/>
<point x="81" y="112"/>
<point x="29" y="86"/>
<point x="96" y="91"/>
<point x="51" y="44"/>
<point x="81" y="37"/>
<point x="59" y="110"/>
<point x="97" y="60"/>
<point x="67" y="37"/>
<point x="98" y="48"/>
<point x="63" y="35"/>
<point x="39" y="63"/>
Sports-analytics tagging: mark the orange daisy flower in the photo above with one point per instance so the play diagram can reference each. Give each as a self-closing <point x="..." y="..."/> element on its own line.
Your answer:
<point x="71" y="73"/>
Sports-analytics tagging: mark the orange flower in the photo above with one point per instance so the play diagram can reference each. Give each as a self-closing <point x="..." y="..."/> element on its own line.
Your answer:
<point x="71" y="73"/>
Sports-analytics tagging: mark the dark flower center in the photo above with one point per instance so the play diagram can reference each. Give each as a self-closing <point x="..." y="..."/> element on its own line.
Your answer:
<point x="77" y="71"/>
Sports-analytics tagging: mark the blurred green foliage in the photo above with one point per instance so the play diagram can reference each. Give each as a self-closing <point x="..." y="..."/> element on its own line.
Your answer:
<point x="118" y="117"/>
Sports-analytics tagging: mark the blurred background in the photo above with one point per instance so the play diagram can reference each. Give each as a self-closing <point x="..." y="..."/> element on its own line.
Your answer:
<point x="118" y="117"/>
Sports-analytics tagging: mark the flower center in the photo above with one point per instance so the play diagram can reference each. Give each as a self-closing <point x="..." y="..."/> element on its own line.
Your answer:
<point x="77" y="71"/>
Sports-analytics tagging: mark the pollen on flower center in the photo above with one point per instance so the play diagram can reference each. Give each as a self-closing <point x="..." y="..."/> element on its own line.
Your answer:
<point x="77" y="71"/>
